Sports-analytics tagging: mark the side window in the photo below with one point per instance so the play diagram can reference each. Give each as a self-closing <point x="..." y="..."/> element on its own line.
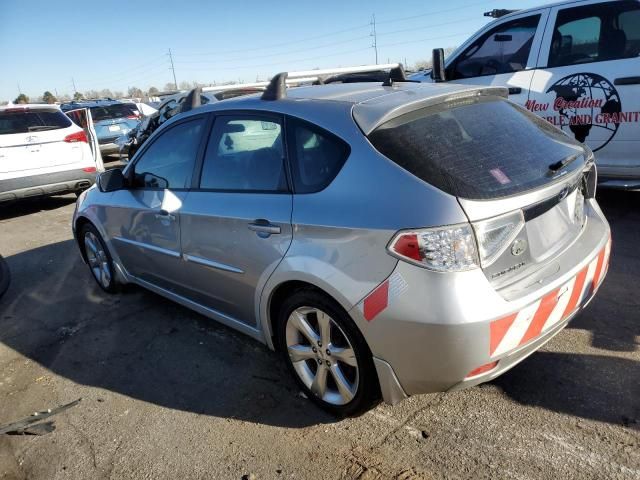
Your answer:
<point x="245" y="154"/>
<point x="596" y="33"/>
<point x="170" y="159"/>
<point x="318" y="157"/>
<point x="504" y="49"/>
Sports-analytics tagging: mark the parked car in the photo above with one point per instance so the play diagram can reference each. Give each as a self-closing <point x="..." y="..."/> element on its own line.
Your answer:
<point x="131" y="141"/>
<point x="111" y="119"/>
<point x="402" y="238"/>
<point x="574" y="63"/>
<point x="42" y="152"/>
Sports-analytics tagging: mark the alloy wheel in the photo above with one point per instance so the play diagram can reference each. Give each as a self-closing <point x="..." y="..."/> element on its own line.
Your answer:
<point x="97" y="258"/>
<point x="322" y="355"/>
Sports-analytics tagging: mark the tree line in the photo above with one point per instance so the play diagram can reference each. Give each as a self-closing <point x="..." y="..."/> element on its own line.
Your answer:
<point x="132" y="92"/>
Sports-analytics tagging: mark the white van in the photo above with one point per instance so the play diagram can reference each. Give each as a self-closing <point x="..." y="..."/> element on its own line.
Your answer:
<point x="43" y="152"/>
<point x="576" y="64"/>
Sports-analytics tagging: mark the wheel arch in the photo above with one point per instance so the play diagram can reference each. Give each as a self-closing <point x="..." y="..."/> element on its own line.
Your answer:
<point x="285" y="288"/>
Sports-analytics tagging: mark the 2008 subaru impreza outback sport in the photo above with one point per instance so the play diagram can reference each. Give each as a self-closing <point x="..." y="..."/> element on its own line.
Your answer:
<point x="391" y="239"/>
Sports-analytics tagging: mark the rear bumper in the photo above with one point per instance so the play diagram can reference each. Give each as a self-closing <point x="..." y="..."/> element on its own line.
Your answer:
<point x="109" y="148"/>
<point x="432" y="330"/>
<point x="56" y="183"/>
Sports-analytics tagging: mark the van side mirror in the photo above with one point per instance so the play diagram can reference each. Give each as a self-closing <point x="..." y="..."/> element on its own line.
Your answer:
<point x="111" y="180"/>
<point x="437" y="65"/>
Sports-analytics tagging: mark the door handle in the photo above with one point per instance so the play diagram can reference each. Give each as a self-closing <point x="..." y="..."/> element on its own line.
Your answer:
<point x="515" y="90"/>
<point x="264" y="226"/>
<point x="165" y="215"/>
<point x="627" y="81"/>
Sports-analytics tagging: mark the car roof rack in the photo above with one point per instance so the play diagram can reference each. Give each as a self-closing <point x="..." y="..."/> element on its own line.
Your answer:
<point x="499" y="12"/>
<point x="277" y="87"/>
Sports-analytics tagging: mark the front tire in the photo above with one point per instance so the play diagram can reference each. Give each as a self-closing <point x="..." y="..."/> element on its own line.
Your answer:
<point x="98" y="258"/>
<point x="326" y="353"/>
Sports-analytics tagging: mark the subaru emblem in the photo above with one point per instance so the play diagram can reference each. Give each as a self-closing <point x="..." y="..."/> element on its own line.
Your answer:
<point x="518" y="247"/>
<point x="563" y="193"/>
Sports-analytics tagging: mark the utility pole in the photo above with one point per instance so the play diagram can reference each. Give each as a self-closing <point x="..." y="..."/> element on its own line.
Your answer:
<point x="175" y="82"/>
<point x="74" y="85"/>
<point x="374" y="34"/>
<point x="19" y="89"/>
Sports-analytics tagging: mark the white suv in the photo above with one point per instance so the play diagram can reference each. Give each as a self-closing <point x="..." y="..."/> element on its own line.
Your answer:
<point x="577" y="65"/>
<point x="42" y="152"/>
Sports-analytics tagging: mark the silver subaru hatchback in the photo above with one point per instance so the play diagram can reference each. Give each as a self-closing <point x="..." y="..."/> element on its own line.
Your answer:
<point x="389" y="239"/>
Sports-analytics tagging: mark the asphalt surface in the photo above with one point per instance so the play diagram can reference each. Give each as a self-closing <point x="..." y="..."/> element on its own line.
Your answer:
<point x="167" y="393"/>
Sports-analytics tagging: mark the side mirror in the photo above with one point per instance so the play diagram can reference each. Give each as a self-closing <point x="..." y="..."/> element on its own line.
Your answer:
<point x="437" y="65"/>
<point x="111" y="180"/>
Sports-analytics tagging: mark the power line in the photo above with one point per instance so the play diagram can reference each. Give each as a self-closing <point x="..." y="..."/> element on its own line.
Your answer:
<point x="288" y="61"/>
<point x="463" y="7"/>
<point x="244" y="59"/>
<point x="424" y="27"/>
<point x="276" y="45"/>
<point x="426" y="39"/>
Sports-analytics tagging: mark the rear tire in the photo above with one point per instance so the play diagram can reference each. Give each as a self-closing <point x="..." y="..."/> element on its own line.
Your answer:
<point x="98" y="258"/>
<point x="5" y="276"/>
<point x="326" y="353"/>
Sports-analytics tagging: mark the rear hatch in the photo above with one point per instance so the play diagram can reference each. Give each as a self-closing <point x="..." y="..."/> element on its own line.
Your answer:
<point x="112" y="121"/>
<point x="521" y="182"/>
<point x="36" y="138"/>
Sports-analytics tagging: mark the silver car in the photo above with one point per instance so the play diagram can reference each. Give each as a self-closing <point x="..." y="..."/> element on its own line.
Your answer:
<point x="389" y="239"/>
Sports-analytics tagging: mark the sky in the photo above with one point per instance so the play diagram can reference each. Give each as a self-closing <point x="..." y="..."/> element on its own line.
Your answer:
<point x="50" y="45"/>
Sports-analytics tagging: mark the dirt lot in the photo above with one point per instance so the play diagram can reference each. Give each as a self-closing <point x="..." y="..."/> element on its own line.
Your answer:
<point x="169" y="394"/>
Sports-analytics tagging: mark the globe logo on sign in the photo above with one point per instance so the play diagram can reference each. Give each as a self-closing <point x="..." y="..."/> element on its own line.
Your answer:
<point x="588" y="105"/>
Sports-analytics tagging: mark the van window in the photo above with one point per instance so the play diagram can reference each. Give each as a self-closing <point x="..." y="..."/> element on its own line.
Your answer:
<point x="596" y="33"/>
<point x="481" y="148"/>
<point x="504" y="49"/>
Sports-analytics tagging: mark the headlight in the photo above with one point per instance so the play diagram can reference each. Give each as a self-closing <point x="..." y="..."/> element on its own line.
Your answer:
<point x="447" y="249"/>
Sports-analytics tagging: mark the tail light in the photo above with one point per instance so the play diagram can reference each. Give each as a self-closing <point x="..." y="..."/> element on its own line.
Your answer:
<point x="447" y="249"/>
<point x="89" y="169"/>
<point x="496" y="234"/>
<point x="76" y="137"/>
<point x="133" y="117"/>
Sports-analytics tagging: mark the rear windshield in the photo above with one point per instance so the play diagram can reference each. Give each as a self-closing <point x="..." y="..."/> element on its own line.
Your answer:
<point x="32" y="121"/>
<point x="479" y="148"/>
<point x="109" y="112"/>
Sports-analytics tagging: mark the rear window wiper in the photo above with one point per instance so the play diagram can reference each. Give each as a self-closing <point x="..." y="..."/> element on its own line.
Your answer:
<point x="40" y="128"/>
<point x="554" y="167"/>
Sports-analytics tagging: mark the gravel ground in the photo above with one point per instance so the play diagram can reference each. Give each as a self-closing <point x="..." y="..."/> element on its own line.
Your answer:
<point x="169" y="394"/>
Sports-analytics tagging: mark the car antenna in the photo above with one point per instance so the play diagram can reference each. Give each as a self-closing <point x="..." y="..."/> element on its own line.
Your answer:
<point x="277" y="87"/>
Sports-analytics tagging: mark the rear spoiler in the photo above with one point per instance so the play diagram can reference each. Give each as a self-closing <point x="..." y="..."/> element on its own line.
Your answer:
<point x="370" y="116"/>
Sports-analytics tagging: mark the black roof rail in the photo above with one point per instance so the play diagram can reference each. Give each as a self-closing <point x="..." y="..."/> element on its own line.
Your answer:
<point x="192" y="100"/>
<point x="277" y="87"/>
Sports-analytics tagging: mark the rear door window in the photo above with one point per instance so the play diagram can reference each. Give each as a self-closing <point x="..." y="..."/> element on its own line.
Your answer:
<point x="24" y="121"/>
<point x="482" y="148"/>
<point x="109" y="112"/>
<point x="317" y="156"/>
<point x="245" y="153"/>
